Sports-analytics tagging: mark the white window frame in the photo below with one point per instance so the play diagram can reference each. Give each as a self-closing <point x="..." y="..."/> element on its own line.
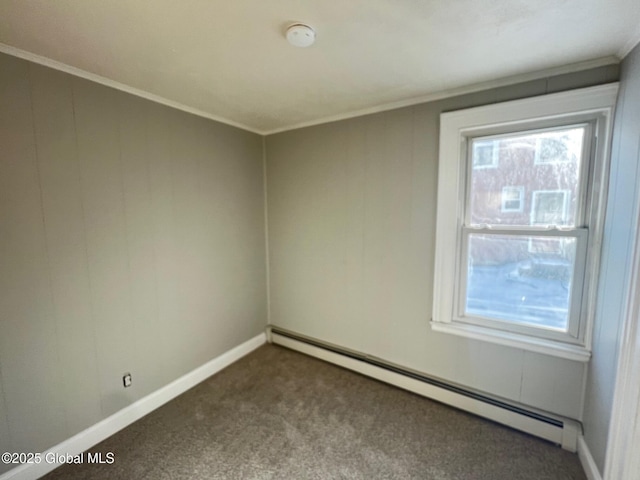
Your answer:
<point x="504" y="200"/>
<point x="593" y="106"/>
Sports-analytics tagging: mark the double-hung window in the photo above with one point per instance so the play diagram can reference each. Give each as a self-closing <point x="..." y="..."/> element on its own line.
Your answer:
<point x="520" y="210"/>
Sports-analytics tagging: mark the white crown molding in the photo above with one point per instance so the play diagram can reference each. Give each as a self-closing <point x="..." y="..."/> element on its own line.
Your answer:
<point x="633" y="41"/>
<point x="63" y="67"/>
<point x="454" y="92"/>
<point x="574" y="67"/>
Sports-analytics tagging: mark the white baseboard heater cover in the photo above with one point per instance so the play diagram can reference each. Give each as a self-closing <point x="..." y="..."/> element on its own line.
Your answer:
<point x="556" y="429"/>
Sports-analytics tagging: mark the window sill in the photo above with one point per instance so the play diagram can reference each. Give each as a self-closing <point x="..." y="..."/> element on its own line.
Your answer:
<point x="538" y="345"/>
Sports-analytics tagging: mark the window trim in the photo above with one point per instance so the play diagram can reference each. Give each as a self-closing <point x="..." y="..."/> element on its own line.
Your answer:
<point x="593" y="104"/>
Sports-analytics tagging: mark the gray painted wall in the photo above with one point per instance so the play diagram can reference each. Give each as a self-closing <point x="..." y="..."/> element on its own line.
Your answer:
<point x="352" y="210"/>
<point x="624" y="196"/>
<point x="132" y="240"/>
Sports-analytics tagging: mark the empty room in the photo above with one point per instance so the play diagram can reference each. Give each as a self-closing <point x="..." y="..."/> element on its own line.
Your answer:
<point x="308" y="240"/>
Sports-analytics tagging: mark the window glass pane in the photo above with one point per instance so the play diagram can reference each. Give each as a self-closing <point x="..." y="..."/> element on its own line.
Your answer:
<point x="485" y="153"/>
<point x="534" y="178"/>
<point x="550" y="207"/>
<point x="523" y="279"/>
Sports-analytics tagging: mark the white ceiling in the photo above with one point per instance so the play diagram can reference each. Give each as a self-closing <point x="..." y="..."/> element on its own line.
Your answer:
<point x="229" y="60"/>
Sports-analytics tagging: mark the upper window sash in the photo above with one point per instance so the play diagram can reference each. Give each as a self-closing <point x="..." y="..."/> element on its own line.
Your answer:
<point x="470" y="171"/>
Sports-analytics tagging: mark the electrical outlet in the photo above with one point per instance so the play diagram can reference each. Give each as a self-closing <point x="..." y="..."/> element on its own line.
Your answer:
<point x="126" y="380"/>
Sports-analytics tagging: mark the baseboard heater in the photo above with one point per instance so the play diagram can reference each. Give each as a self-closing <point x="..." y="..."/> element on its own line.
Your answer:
<point x="556" y="429"/>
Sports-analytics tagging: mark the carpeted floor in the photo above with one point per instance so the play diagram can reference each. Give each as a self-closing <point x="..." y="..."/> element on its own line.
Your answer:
<point x="277" y="414"/>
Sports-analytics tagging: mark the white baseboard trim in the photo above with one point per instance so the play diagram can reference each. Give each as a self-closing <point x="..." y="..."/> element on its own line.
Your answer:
<point x="564" y="434"/>
<point x="587" y="461"/>
<point x="116" y="422"/>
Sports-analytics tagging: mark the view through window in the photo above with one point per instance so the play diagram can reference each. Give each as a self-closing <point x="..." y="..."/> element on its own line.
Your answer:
<point x="523" y="271"/>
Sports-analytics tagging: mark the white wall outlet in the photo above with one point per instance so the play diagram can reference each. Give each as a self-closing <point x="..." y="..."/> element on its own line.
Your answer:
<point x="126" y="380"/>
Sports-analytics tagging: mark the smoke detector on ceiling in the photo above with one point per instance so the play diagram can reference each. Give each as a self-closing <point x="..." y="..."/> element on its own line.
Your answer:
<point x="301" y="35"/>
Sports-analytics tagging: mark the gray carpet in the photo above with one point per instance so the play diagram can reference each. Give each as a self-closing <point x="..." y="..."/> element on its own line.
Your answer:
<point x="277" y="414"/>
